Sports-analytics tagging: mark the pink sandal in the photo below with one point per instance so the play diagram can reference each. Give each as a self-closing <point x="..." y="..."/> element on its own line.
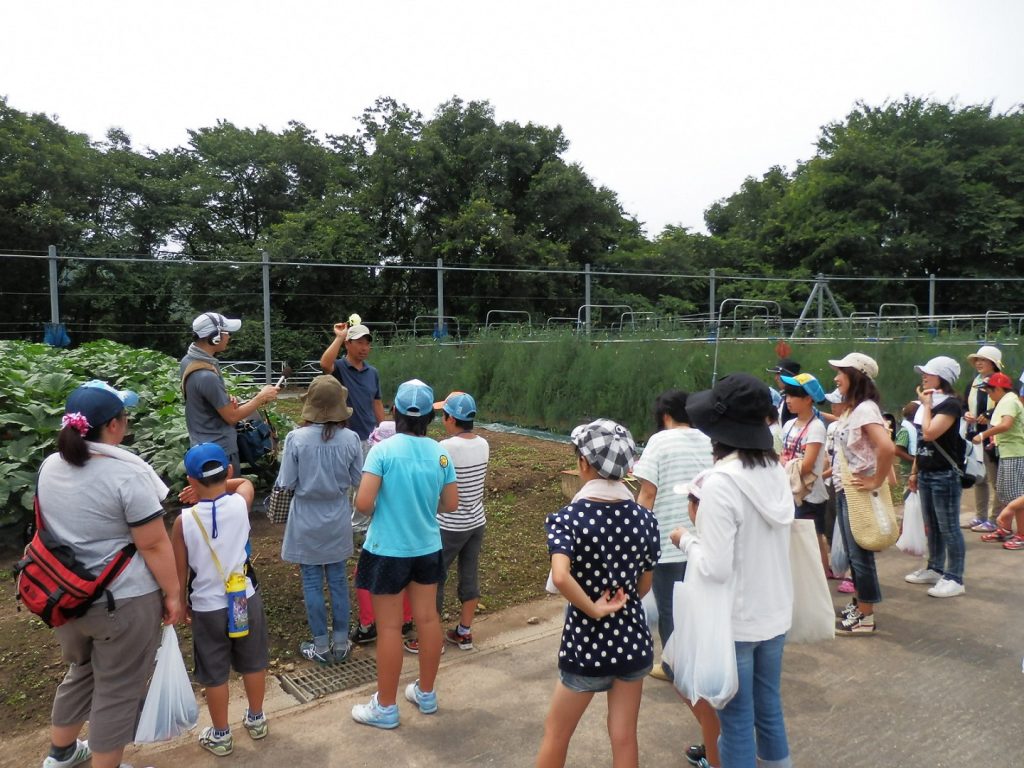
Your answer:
<point x="846" y="587"/>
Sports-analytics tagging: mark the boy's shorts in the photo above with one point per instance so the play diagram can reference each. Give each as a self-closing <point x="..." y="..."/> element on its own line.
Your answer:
<point x="464" y="545"/>
<point x="216" y="654"/>
<point x="382" y="575"/>
<point x="589" y="684"/>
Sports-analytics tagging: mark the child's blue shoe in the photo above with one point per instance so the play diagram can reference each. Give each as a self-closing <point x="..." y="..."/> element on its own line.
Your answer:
<point x="376" y="715"/>
<point x="427" y="702"/>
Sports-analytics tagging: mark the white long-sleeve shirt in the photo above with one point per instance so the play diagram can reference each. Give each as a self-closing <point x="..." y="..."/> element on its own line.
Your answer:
<point x="743" y="527"/>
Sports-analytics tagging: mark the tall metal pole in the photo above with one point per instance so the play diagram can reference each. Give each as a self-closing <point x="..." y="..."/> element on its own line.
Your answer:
<point x="711" y="299"/>
<point x="586" y="297"/>
<point x="54" y="300"/>
<point x="822" y="284"/>
<point x="440" y="298"/>
<point x="931" y="299"/>
<point x="266" y="315"/>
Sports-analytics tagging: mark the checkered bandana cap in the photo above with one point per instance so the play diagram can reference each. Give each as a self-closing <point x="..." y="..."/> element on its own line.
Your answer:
<point x="607" y="446"/>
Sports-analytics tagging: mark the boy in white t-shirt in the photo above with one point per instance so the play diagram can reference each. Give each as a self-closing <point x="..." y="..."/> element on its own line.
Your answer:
<point x="462" y="531"/>
<point x="803" y="441"/>
<point x="209" y="541"/>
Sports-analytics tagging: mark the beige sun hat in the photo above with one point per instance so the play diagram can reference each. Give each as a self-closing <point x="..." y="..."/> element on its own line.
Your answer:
<point x="859" y="362"/>
<point x="993" y="354"/>
<point x="324" y="401"/>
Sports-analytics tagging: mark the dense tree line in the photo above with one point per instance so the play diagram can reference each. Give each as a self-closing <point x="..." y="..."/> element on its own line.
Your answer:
<point x="902" y="190"/>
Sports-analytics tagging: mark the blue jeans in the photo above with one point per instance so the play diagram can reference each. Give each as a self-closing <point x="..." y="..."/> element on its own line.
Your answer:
<point x="940" y="505"/>
<point x="663" y="586"/>
<point x="862" y="561"/>
<point x="316" y="608"/>
<point x="756" y="710"/>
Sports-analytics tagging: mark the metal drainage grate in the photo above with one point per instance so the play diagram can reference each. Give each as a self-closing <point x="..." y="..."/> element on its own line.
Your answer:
<point x="313" y="683"/>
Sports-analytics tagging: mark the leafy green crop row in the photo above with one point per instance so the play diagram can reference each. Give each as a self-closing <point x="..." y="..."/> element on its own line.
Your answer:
<point x="36" y="379"/>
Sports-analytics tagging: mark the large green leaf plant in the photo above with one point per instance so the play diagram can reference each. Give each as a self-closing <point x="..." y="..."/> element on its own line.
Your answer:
<point x="35" y="381"/>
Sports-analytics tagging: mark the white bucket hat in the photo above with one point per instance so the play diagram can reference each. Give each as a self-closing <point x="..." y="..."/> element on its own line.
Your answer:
<point x="993" y="354"/>
<point x="946" y="368"/>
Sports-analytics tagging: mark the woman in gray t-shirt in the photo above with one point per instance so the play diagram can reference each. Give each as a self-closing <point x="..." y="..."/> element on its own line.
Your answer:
<point x="95" y="498"/>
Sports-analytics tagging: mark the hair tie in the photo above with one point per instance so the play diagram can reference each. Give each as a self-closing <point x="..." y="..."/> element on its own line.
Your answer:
<point x="77" y="421"/>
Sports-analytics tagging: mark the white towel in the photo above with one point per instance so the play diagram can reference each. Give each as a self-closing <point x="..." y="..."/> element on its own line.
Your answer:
<point x="115" y="452"/>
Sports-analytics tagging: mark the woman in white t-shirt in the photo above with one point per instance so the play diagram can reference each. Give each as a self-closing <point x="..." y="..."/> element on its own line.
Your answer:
<point x="673" y="456"/>
<point x="864" y="440"/>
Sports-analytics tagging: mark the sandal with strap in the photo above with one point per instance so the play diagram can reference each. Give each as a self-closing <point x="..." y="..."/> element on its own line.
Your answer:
<point x="999" y="534"/>
<point x="1014" y="543"/>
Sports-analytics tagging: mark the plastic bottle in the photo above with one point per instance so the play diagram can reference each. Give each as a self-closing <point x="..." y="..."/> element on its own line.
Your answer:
<point x="238" y="606"/>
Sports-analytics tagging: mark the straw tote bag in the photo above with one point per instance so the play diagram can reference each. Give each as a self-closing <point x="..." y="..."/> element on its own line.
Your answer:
<point x="872" y="517"/>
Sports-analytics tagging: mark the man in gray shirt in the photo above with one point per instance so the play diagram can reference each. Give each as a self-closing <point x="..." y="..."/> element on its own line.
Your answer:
<point x="210" y="413"/>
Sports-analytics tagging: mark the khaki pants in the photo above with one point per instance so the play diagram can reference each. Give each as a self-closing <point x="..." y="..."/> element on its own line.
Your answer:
<point x="111" y="658"/>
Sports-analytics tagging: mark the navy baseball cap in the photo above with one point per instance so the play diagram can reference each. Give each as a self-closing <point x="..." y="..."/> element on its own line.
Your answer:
<point x="99" y="402"/>
<point x="198" y="456"/>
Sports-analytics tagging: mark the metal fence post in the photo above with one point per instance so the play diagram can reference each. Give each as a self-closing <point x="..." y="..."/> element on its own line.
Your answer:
<point x="931" y="305"/>
<point x="822" y="286"/>
<point x="266" y="314"/>
<point x="711" y="298"/>
<point x="54" y="299"/>
<point x="440" y="299"/>
<point x="586" y="298"/>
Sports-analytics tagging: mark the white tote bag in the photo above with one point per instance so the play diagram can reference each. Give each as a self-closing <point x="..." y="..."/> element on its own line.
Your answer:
<point x="813" y="615"/>
<point x="700" y="651"/>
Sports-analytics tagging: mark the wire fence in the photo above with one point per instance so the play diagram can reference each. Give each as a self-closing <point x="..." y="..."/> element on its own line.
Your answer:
<point x="150" y="301"/>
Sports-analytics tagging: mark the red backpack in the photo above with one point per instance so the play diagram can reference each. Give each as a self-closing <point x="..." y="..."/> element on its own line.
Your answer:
<point x="54" y="585"/>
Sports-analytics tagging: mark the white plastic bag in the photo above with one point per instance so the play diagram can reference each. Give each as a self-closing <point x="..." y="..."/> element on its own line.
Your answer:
<point x="650" y="610"/>
<point x="974" y="464"/>
<point x="170" y="707"/>
<point x="700" y="651"/>
<point x="814" y="617"/>
<point x="839" y="562"/>
<point x="913" y="540"/>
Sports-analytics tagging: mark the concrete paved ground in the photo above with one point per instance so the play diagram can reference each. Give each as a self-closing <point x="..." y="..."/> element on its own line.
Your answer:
<point x="940" y="685"/>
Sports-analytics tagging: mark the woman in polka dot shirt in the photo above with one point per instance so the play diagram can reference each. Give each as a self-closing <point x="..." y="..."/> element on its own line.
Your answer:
<point x="603" y="548"/>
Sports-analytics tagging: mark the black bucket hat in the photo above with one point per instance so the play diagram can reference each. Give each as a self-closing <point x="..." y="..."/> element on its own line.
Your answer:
<point x="734" y="412"/>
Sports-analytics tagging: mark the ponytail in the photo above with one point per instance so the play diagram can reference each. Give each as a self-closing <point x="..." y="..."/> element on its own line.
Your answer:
<point x="72" y="446"/>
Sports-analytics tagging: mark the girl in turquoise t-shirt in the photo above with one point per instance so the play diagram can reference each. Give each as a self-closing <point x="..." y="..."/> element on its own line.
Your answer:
<point x="406" y="481"/>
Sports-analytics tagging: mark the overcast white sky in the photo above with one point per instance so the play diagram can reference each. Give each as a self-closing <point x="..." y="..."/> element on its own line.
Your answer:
<point x="670" y="104"/>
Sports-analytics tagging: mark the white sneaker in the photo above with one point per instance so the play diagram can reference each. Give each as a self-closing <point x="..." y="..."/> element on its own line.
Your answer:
<point x="947" y="588"/>
<point x="923" y="576"/>
<point x="80" y="755"/>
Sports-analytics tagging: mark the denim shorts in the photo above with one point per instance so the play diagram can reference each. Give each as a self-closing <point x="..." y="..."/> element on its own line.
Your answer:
<point x="592" y="684"/>
<point x="813" y="510"/>
<point x="382" y="575"/>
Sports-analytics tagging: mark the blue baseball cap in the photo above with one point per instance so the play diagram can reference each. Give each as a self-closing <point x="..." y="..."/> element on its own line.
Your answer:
<point x="458" y="405"/>
<point x="807" y="383"/>
<point x="414" y="398"/>
<point x="99" y="402"/>
<point x="198" y="456"/>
